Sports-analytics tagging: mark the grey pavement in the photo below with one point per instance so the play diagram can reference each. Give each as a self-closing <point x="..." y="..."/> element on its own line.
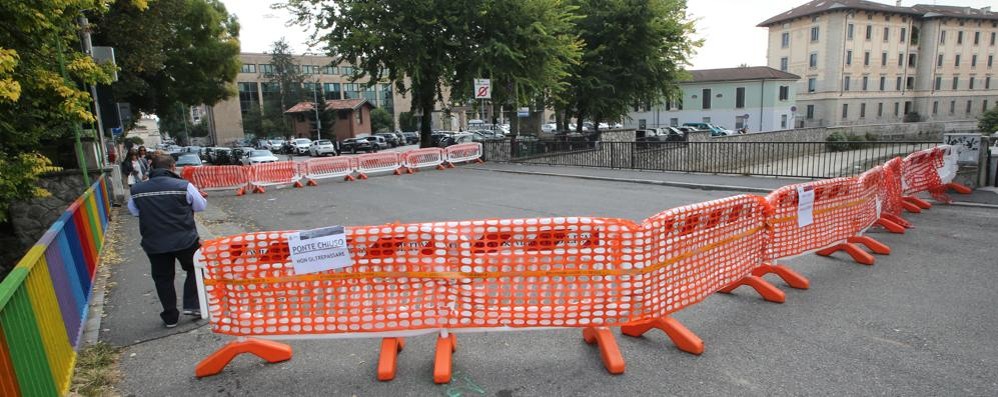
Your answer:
<point x="919" y="322"/>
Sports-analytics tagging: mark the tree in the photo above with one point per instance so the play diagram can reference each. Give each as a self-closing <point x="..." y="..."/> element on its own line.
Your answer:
<point x="266" y="120"/>
<point x="289" y="79"/>
<point x="38" y="42"/>
<point x="182" y="52"/>
<point x="407" y="122"/>
<point x="635" y="52"/>
<point x="988" y="123"/>
<point x="381" y="120"/>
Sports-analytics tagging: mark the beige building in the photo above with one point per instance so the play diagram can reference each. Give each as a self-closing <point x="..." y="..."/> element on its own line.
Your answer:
<point x="329" y="82"/>
<point x="863" y="62"/>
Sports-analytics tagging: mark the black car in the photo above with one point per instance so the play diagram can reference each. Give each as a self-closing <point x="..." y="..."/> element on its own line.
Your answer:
<point x="411" y="138"/>
<point x="392" y="139"/>
<point x="354" y="145"/>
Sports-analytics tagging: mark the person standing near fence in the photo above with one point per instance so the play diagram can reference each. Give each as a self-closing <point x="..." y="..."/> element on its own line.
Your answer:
<point x="165" y="205"/>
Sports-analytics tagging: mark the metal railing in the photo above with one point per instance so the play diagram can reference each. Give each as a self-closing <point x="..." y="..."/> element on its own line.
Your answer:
<point x="44" y="299"/>
<point x="785" y="159"/>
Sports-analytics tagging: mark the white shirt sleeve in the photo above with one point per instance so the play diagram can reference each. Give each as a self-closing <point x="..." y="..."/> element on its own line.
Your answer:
<point x="194" y="198"/>
<point x="132" y="208"/>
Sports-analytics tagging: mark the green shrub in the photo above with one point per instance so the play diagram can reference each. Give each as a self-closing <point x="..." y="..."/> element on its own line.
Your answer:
<point x="836" y="142"/>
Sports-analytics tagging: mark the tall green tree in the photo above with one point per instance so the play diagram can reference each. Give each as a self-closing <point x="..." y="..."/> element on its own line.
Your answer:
<point x="38" y="46"/>
<point x="289" y="79"/>
<point x="381" y="120"/>
<point x="182" y="52"/>
<point x="635" y="51"/>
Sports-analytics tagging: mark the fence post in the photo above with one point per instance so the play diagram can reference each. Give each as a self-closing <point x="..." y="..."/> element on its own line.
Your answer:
<point x="632" y="148"/>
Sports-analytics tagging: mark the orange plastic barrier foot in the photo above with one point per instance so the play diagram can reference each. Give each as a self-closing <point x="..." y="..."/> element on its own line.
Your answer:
<point x="312" y="182"/>
<point x="298" y="184"/>
<point x="259" y="189"/>
<point x="398" y="171"/>
<point x="873" y="245"/>
<point x="270" y="351"/>
<point x="446" y="346"/>
<point x="388" y="360"/>
<point x="898" y="220"/>
<point x="682" y="337"/>
<point x="479" y="161"/>
<point x="410" y="171"/>
<point x="855" y="252"/>
<point x="917" y="201"/>
<point x="768" y="291"/>
<point x="241" y="191"/>
<point x="911" y="207"/>
<point x="890" y="226"/>
<point x="441" y="167"/>
<point x="608" y="350"/>
<point x="449" y="165"/>
<point x="361" y="176"/>
<point x="956" y="187"/>
<point x="349" y="178"/>
<point x="792" y="278"/>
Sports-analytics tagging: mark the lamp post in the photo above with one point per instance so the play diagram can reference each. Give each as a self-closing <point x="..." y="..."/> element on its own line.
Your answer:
<point x="318" y="121"/>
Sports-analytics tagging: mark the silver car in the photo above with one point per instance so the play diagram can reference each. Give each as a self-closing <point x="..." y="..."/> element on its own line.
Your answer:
<point x="321" y="147"/>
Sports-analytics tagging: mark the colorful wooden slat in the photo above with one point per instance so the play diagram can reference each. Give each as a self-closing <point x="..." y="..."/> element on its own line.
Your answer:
<point x="65" y="290"/>
<point x="72" y="249"/>
<point x="25" y="346"/>
<point x="8" y="379"/>
<point x="86" y="245"/>
<point x="59" y="351"/>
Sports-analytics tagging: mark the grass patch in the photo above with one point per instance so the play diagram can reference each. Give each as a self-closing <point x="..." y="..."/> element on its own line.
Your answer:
<point x="96" y="371"/>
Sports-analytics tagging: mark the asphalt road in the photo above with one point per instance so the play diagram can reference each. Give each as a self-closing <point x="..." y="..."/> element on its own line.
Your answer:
<point x="921" y="321"/>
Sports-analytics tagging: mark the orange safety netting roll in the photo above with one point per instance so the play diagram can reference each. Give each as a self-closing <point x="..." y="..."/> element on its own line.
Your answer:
<point x="919" y="170"/>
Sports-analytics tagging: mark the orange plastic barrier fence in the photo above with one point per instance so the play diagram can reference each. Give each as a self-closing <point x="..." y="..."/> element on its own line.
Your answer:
<point x="422" y="158"/>
<point x="464" y="152"/>
<point x="330" y="167"/>
<point x="274" y="174"/>
<point x="892" y="194"/>
<point x="224" y="177"/>
<point x="379" y="162"/>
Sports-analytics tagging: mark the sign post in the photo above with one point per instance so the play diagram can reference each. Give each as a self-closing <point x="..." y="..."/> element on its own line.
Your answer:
<point x="483" y="91"/>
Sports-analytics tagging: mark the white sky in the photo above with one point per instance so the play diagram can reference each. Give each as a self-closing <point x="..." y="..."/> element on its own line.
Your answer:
<point x="728" y="27"/>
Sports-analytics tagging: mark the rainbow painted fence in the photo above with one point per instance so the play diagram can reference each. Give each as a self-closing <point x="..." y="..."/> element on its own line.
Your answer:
<point x="43" y="301"/>
<point x="578" y="272"/>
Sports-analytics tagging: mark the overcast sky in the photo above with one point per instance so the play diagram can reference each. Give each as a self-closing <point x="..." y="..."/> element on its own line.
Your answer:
<point x="728" y="27"/>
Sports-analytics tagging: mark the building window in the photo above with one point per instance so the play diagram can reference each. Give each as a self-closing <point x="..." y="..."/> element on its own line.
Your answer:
<point x="869" y="34"/>
<point x="883" y="83"/>
<point x="883" y="59"/>
<point x="956" y="82"/>
<point x="970" y="104"/>
<point x="784" y="92"/>
<point x="904" y="31"/>
<point x="866" y="58"/>
<point x="346" y="70"/>
<point x="912" y="60"/>
<point x="705" y="119"/>
<point x="331" y="91"/>
<point x="939" y="61"/>
<point x="959" y="37"/>
<point x="897" y="109"/>
<point x="942" y="37"/>
<point x="935" y="108"/>
<point x="674" y="122"/>
<point x="977" y="38"/>
<point x="880" y="109"/>
<point x="849" y="31"/>
<point x="785" y="40"/>
<point x="330" y="70"/>
<point x="809" y="113"/>
<point x="910" y="84"/>
<point x="897" y="86"/>
<point x="849" y="57"/>
<point x="956" y="60"/>
<point x="784" y="64"/>
<point x="973" y="61"/>
<point x="266" y="69"/>
<point x="740" y="122"/>
<point x="359" y="115"/>
<point x="991" y="59"/>
<point x="984" y="106"/>
<point x="812" y="84"/>
<point x="309" y="69"/>
<point x="783" y="121"/>
<point x="865" y="82"/>
<point x="814" y="33"/>
<point x="887" y="33"/>
<point x="845" y="111"/>
<point x="971" y="82"/>
<point x="845" y="83"/>
<point x="862" y="110"/>
<point x="952" y="107"/>
<point x="900" y="59"/>
<point x="705" y="101"/>
<point x="992" y="39"/>
<point x="987" y="83"/>
<point x="739" y="97"/>
<point x="248" y="96"/>
<point x="939" y="83"/>
<point x="813" y="60"/>
<point x="351" y="91"/>
<point x="247" y="68"/>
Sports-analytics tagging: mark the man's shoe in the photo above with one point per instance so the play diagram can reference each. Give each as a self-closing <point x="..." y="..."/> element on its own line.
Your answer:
<point x="171" y="325"/>
<point x="192" y="312"/>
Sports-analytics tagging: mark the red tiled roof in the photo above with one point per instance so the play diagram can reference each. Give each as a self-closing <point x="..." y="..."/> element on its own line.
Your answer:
<point x="331" y="104"/>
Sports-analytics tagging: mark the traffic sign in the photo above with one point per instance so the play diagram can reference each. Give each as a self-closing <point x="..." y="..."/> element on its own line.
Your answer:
<point x="483" y="89"/>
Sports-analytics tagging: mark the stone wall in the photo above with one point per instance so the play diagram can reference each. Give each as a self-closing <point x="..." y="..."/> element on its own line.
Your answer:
<point x="31" y="218"/>
<point x="930" y="131"/>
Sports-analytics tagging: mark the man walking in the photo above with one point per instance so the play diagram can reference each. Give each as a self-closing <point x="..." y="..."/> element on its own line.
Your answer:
<point x="165" y="205"/>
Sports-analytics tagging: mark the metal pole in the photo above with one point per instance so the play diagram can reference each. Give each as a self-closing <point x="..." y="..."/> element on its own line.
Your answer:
<point x="76" y="126"/>
<point x="318" y="121"/>
<point x="88" y="49"/>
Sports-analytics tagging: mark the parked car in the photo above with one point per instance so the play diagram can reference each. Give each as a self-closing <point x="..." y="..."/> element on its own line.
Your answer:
<point x="259" y="156"/>
<point x="456" y="138"/>
<point x="239" y="153"/>
<point x="714" y="129"/>
<point x="437" y="136"/>
<point x="411" y="138"/>
<point x="187" y="160"/>
<point x="378" y="141"/>
<point x="322" y="147"/>
<point x="354" y="145"/>
<point x="401" y="138"/>
<point x="220" y="156"/>
<point x="300" y="145"/>
<point x="672" y="134"/>
<point x="390" y="138"/>
<point x="549" y="128"/>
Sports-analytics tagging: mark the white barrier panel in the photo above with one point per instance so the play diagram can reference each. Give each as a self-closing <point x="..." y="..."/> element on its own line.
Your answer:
<point x="379" y="162"/>
<point x="422" y="158"/>
<point x="331" y="167"/>
<point x="218" y="177"/>
<point x="464" y="152"/>
<point x="274" y="174"/>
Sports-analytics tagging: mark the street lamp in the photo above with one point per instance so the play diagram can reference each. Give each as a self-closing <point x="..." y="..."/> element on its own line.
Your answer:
<point x="318" y="121"/>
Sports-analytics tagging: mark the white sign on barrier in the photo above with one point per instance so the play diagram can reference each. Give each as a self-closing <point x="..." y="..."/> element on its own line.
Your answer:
<point x="805" y="205"/>
<point x="316" y="250"/>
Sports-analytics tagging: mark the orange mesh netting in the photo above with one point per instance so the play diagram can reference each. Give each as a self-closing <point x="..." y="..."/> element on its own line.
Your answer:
<point x="836" y="205"/>
<point x="891" y="190"/>
<point x="427" y="157"/>
<point x="330" y="167"/>
<point x="919" y="170"/>
<point x="222" y="177"/>
<point x="277" y="173"/>
<point x="871" y="204"/>
<point x="464" y="152"/>
<point x="378" y="162"/>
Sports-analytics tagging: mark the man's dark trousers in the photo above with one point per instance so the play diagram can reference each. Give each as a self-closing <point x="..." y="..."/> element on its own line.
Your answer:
<point x="163" y="270"/>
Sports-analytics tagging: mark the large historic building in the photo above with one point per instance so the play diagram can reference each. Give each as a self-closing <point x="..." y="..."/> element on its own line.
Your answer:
<point x="863" y="62"/>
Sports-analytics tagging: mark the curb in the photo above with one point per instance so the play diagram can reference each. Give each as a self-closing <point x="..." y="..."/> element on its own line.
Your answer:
<point x="729" y="188"/>
<point x="973" y="205"/>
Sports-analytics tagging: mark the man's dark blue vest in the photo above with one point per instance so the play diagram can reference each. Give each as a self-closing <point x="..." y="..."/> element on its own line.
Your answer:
<point x="166" y="219"/>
